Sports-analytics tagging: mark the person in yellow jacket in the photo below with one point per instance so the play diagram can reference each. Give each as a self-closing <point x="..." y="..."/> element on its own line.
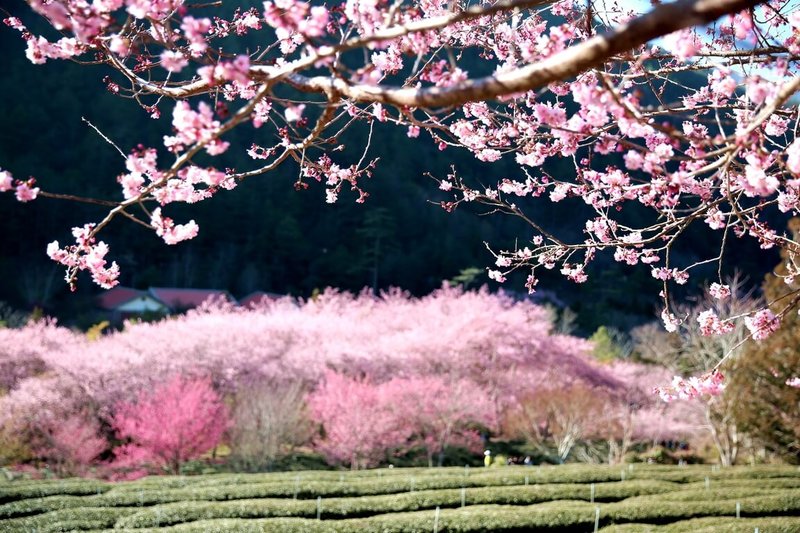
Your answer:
<point x="487" y="458"/>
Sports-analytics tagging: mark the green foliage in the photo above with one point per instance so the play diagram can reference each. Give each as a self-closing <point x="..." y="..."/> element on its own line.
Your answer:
<point x="467" y="277"/>
<point x="771" y="409"/>
<point x="605" y="345"/>
<point x="94" y="332"/>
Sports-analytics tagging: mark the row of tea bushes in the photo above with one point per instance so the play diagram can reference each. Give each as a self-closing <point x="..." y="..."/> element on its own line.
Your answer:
<point x="518" y="494"/>
<point x="388" y="480"/>
<point x="563" y="515"/>
<point x="767" y="524"/>
<point x="373" y="505"/>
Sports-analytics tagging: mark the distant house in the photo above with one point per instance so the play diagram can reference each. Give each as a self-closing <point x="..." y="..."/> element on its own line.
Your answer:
<point x="257" y="298"/>
<point x="183" y="299"/>
<point x="124" y="302"/>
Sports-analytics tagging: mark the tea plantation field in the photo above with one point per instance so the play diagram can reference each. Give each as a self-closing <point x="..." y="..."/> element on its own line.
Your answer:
<point x="572" y="498"/>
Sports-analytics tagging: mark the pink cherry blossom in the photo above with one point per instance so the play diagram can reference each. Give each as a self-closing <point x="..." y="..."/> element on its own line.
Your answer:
<point x="25" y="192"/>
<point x="762" y="324"/>
<point x="720" y="292"/>
<point x="294" y="113"/>
<point x="195" y="31"/>
<point x="169" y="231"/>
<point x="683" y="44"/>
<point x="6" y="181"/>
<point x="710" y="384"/>
<point x="173" y="60"/>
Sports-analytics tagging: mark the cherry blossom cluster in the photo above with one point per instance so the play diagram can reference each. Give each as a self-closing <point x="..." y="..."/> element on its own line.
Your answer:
<point x="86" y="254"/>
<point x="24" y="191"/>
<point x="196" y="127"/>
<point x="762" y="324"/>
<point x="710" y="384"/>
<point x="169" y="231"/>
<point x="294" y="20"/>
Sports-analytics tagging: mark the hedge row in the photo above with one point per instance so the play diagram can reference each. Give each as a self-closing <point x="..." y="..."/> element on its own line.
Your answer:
<point x="152" y="492"/>
<point x="516" y="494"/>
<point x="654" y="510"/>
<point x="561" y="517"/>
<point x="371" y="505"/>
<point x="127" y="496"/>
<point x="469" y="519"/>
<point x="18" y="490"/>
<point x="716" y="494"/>
<point x="772" y="483"/>
<point x="552" y="516"/>
<point x="393" y="480"/>
<point x="768" y="524"/>
<point x="68" y="519"/>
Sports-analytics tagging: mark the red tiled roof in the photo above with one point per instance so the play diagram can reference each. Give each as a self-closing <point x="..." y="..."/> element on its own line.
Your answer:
<point x="177" y="299"/>
<point x="113" y="298"/>
<point x="258" y="297"/>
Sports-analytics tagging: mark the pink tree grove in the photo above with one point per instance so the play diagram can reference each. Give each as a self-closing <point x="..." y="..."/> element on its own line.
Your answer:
<point x="492" y="340"/>
<point x="359" y="423"/>
<point x="364" y="423"/>
<point x="378" y="374"/>
<point x="179" y="420"/>
<point x="682" y="110"/>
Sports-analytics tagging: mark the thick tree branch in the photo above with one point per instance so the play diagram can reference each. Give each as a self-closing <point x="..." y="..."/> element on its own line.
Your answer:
<point x="662" y="20"/>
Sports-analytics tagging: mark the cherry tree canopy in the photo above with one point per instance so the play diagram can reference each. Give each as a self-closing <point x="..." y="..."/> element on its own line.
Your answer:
<point x="683" y="110"/>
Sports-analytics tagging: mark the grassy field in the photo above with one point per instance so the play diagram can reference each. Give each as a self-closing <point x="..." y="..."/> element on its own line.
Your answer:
<point x="573" y="498"/>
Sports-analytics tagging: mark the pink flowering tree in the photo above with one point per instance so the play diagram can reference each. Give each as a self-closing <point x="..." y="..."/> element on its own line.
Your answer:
<point x="682" y="111"/>
<point x="31" y="412"/>
<point x="363" y="423"/>
<point x="179" y="420"/>
<point x="359" y="425"/>
<point x="72" y="444"/>
<point x="440" y="413"/>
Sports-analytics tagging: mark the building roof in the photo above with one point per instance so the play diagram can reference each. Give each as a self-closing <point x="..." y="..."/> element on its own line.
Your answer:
<point x="259" y="297"/>
<point x="177" y="299"/>
<point x="113" y="298"/>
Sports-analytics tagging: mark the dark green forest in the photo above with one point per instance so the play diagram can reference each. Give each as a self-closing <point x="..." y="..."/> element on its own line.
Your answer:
<point x="265" y="235"/>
